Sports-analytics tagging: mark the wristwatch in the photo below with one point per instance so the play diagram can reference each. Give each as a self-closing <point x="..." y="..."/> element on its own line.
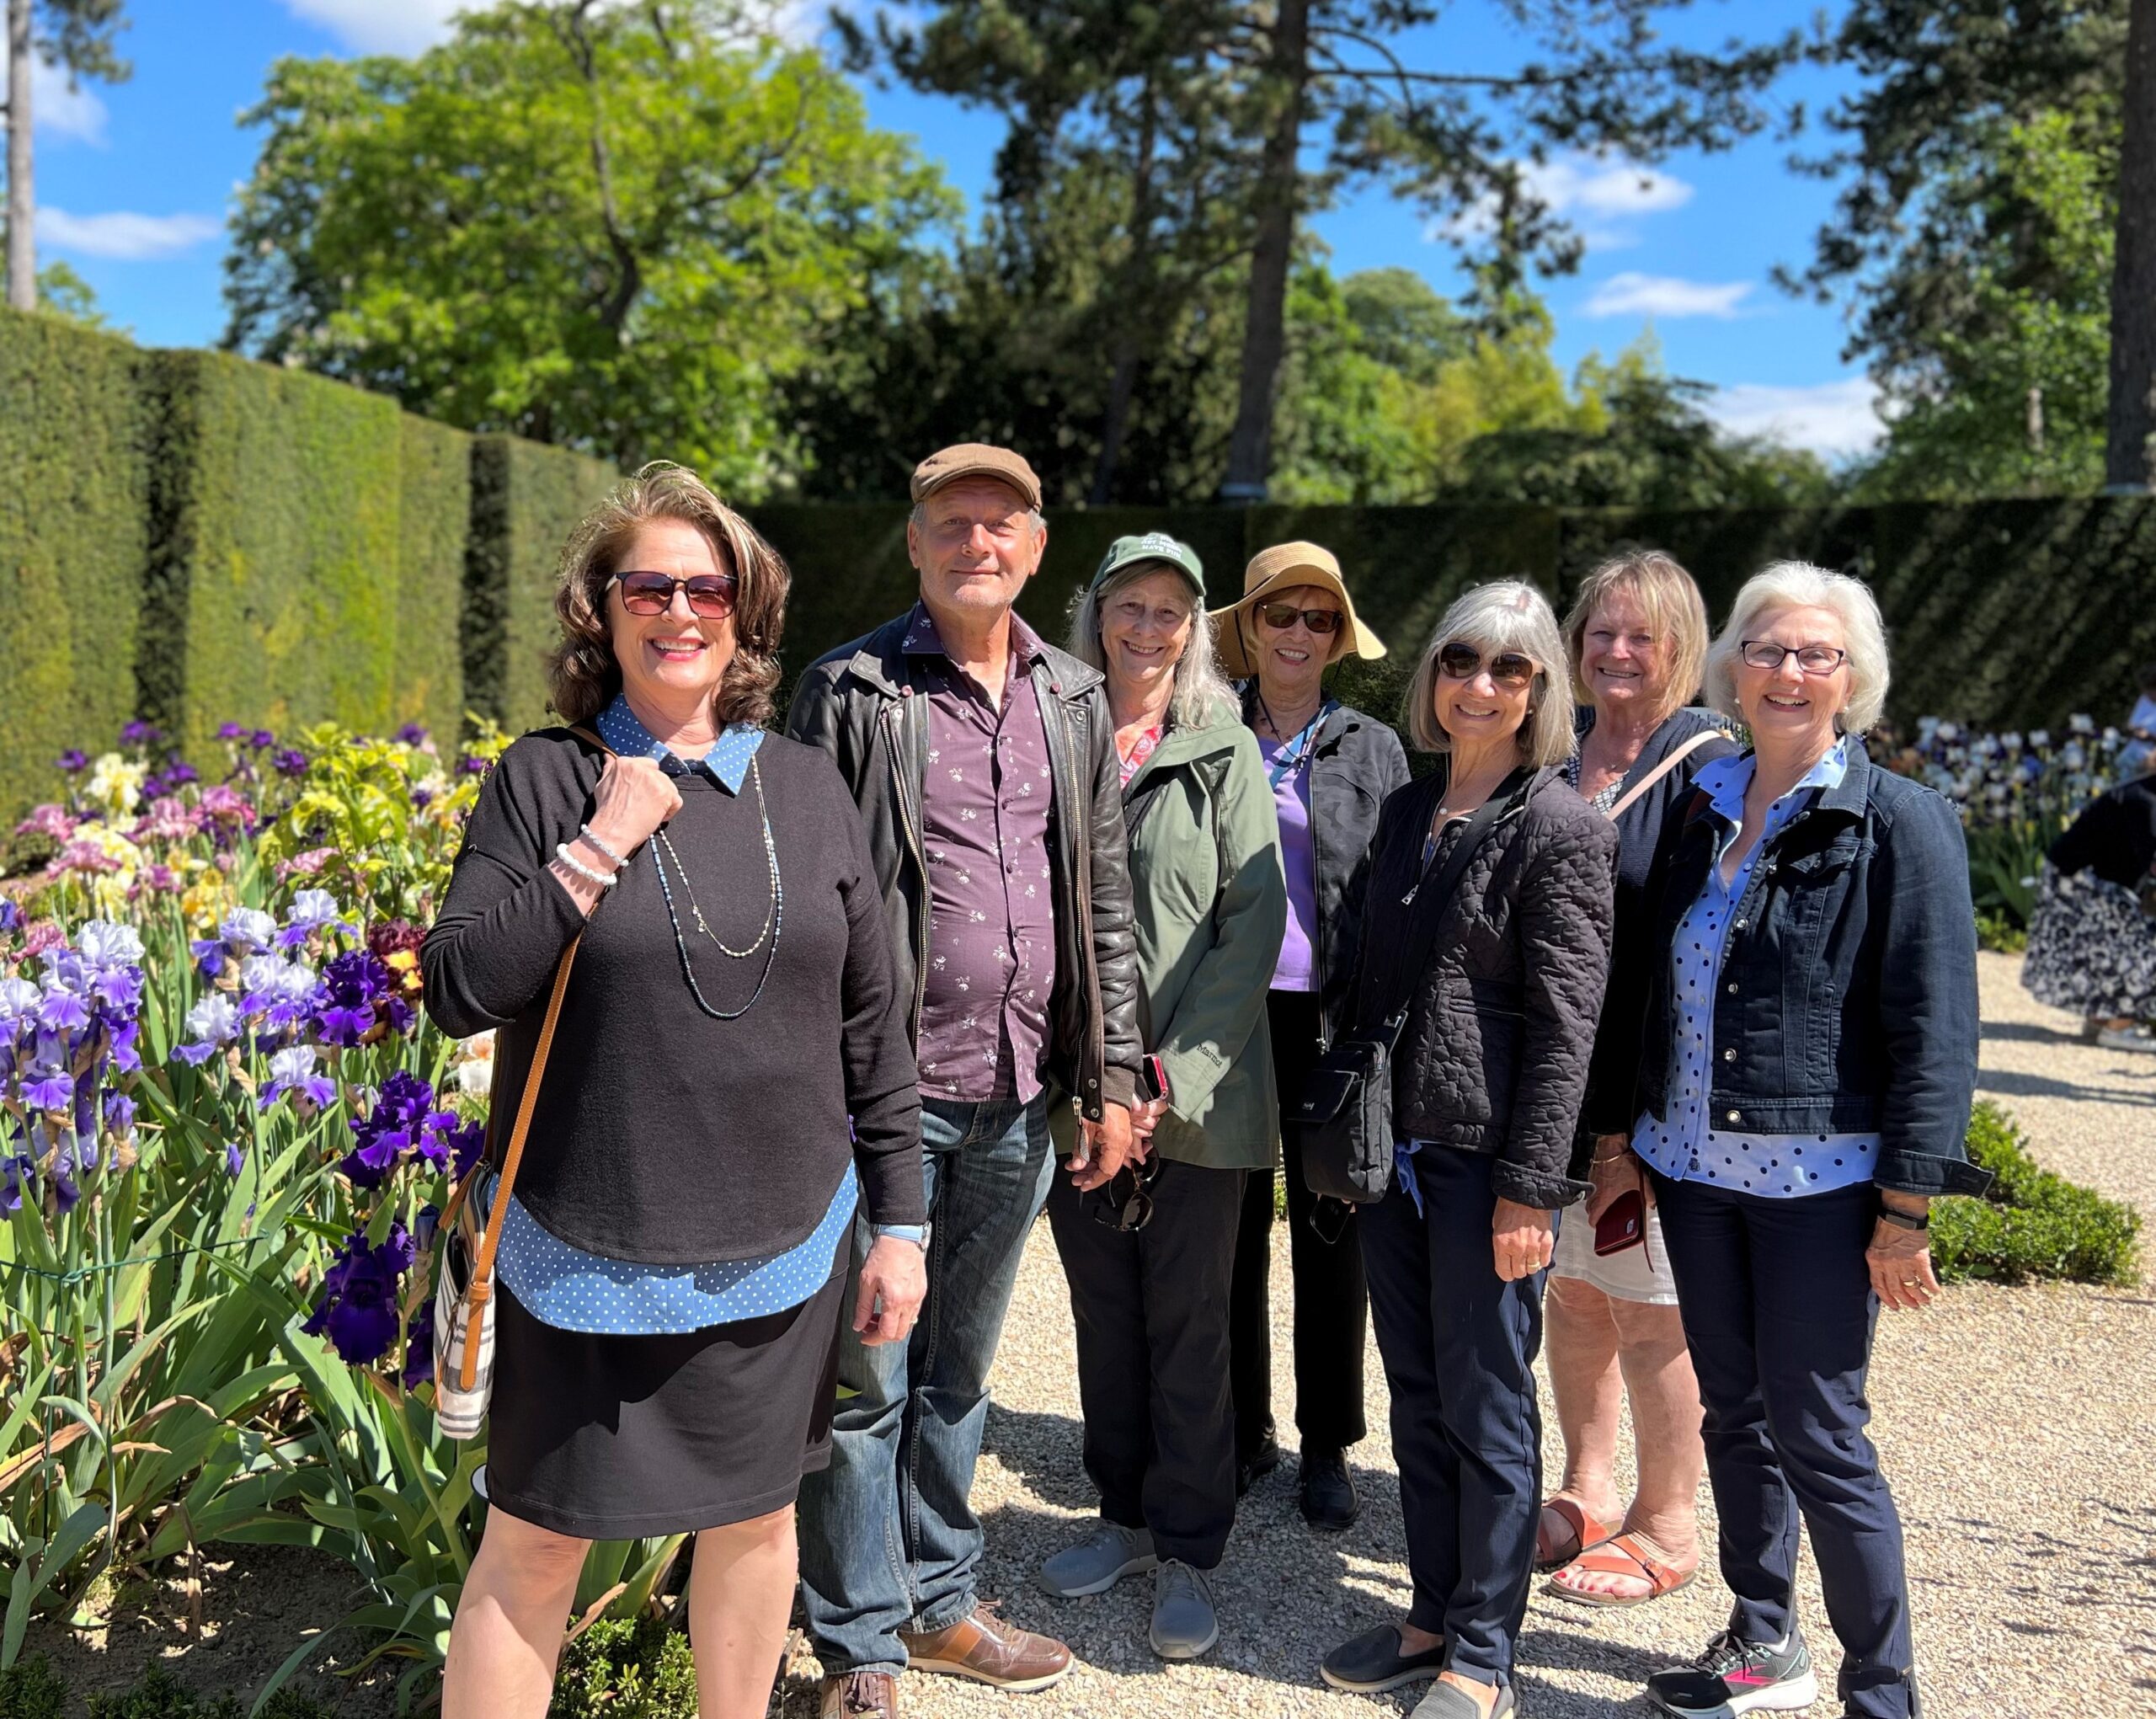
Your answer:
<point x="1905" y="1220"/>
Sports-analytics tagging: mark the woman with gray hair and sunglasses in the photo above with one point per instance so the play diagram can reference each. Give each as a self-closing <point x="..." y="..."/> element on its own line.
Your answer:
<point x="1485" y="944"/>
<point x="1151" y="1256"/>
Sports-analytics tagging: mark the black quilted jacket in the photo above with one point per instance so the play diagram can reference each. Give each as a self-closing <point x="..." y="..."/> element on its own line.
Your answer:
<point x="1501" y="1013"/>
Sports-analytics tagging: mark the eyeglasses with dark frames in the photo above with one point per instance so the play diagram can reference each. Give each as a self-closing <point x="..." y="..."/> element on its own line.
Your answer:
<point x="1812" y="659"/>
<point x="711" y="595"/>
<point x="1508" y="668"/>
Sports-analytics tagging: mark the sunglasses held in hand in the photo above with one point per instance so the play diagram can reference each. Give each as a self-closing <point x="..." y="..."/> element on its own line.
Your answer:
<point x="711" y="595"/>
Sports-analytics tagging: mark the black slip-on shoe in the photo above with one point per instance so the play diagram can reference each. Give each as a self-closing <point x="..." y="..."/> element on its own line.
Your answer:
<point x="1375" y="1660"/>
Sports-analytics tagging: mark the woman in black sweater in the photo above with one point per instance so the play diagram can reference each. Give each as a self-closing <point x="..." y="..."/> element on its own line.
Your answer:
<point x="673" y="1252"/>
<point x="2092" y="944"/>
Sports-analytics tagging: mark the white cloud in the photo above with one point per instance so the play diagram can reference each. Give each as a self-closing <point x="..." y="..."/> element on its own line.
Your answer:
<point x="125" y="237"/>
<point x="382" y="26"/>
<point x="1665" y="295"/>
<point x="1833" y="420"/>
<point x="57" y="111"/>
<point x="1600" y="194"/>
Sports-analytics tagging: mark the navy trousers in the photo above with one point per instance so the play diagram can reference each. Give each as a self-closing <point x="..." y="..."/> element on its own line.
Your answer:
<point x="1459" y="1345"/>
<point x="1779" y="1312"/>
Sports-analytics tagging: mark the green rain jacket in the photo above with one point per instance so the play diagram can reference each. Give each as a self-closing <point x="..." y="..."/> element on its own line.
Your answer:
<point x="1210" y="906"/>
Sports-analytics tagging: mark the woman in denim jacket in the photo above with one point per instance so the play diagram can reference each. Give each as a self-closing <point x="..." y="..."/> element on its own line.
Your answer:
<point x="1810" y="1053"/>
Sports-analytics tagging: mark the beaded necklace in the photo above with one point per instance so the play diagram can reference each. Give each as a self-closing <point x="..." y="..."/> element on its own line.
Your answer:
<point x="774" y="915"/>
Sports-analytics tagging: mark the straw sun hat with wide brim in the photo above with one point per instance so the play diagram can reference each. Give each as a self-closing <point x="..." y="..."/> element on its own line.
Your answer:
<point x="1272" y="571"/>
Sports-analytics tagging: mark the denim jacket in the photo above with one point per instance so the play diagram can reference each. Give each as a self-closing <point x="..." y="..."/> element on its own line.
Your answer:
<point x="1848" y="998"/>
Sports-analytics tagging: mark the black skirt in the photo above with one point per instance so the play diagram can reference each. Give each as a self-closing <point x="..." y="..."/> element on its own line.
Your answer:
<point x="612" y="1437"/>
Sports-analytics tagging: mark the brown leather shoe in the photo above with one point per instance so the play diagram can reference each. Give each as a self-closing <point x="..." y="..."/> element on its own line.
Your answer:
<point x="988" y="1650"/>
<point x="860" y="1694"/>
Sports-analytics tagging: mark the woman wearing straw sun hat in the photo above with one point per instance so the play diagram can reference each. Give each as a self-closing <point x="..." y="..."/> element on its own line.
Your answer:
<point x="1331" y="767"/>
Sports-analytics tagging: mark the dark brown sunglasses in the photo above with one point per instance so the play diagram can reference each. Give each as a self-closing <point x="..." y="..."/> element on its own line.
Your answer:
<point x="1508" y="668"/>
<point x="711" y="595"/>
<point x="1280" y="616"/>
<point x="1125" y="1202"/>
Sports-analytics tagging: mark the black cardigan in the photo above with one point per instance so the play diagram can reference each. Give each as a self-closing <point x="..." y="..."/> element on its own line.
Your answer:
<point x="2114" y="836"/>
<point x="660" y="1135"/>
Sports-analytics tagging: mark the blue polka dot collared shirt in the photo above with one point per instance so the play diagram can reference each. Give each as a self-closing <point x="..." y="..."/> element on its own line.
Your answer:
<point x="1687" y="1147"/>
<point x="573" y="1290"/>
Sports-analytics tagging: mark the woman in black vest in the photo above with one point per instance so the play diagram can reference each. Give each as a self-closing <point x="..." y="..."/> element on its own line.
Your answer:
<point x="1488" y="932"/>
<point x="674" y="1251"/>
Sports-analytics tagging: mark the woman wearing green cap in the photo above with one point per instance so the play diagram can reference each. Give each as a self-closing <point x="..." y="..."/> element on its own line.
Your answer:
<point x="1150" y="1257"/>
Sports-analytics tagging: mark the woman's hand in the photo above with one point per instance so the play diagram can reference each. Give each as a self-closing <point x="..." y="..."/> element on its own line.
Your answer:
<point x="634" y="796"/>
<point x="1521" y="1238"/>
<point x="1900" y="1260"/>
<point x="894" y="1279"/>
<point x="1145" y="1117"/>
<point x="1615" y="1170"/>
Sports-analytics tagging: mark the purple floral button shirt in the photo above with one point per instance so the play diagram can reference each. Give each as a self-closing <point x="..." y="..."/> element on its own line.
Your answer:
<point x="985" y="804"/>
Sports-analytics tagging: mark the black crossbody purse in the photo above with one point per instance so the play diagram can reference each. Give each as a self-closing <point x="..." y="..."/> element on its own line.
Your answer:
<point x="1344" y="1112"/>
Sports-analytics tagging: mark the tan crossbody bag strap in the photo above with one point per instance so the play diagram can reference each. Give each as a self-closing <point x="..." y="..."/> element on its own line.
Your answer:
<point x="1676" y="757"/>
<point x="482" y="1289"/>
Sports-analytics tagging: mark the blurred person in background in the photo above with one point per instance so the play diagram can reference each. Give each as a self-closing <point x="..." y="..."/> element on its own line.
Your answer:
<point x="2092" y="940"/>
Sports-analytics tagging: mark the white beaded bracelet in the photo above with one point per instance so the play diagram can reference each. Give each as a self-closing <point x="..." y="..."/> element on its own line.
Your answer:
<point x="605" y="880"/>
<point x="591" y="836"/>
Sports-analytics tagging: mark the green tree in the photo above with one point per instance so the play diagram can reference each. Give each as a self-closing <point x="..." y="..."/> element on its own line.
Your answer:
<point x="2012" y="399"/>
<point x="77" y="37"/>
<point x="624" y="229"/>
<point x="63" y="293"/>
<point x="1310" y="97"/>
<point x="1939" y="231"/>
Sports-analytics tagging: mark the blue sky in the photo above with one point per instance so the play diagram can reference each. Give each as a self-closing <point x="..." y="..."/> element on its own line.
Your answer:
<point x="134" y="182"/>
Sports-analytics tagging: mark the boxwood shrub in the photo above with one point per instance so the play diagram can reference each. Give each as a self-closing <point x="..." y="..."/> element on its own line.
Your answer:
<point x="2032" y="1223"/>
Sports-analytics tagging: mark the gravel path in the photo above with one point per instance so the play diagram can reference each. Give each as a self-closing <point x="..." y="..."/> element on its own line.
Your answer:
<point x="2016" y="1424"/>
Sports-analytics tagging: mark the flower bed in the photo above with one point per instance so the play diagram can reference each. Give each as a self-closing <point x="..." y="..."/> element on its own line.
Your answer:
<point x="2017" y="793"/>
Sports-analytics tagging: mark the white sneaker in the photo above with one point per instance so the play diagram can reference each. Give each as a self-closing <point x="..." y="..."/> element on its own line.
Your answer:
<point x="1098" y="1561"/>
<point x="2127" y="1039"/>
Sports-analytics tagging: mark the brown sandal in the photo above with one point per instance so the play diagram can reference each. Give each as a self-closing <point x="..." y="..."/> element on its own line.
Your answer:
<point x="1585" y="1533"/>
<point x="1623" y="1555"/>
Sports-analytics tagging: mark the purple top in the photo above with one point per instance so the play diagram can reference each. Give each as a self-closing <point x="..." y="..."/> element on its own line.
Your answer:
<point x="1291" y="800"/>
<point x="985" y="804"/>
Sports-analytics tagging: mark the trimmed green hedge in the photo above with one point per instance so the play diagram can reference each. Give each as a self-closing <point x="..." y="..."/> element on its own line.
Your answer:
<point x="75" y="436"/>
<point x="434" y="536"/>
<point x="525" y="500"/>
<point x="2032" y="1223"/>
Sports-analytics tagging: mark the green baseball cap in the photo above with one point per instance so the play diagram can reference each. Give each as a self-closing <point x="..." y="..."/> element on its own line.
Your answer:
<point x="1154" y="546"/>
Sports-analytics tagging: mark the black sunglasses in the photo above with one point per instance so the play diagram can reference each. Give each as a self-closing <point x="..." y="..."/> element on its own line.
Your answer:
<point x="711" y="595"/>
<point x="1125" y="1200"/>
<point x="1508" y="668"/>
<point x="1280" y="616"/>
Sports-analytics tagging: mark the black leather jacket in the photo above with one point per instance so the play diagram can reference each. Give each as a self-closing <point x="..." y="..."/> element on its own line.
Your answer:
<point x="860" y="704"/>
<point x="1356" y="762"/>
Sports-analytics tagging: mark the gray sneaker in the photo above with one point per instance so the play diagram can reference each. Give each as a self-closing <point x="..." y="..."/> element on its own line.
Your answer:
<point x="1184" y="1623"/>
<point x="1098" y="1561"/>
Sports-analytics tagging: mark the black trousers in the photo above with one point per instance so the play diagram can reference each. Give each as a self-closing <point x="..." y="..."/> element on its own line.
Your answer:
<point x="1332" y="1301"/>
<point x="1151" y="1310"/>
<point x="1459" y="1346"/>
<point x="1779" y="1313"/>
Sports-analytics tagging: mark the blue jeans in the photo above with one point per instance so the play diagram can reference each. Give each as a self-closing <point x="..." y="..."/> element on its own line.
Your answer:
<point x="1778" y="1313"/>
<point x="889" y="1538"/>
<point x="1459" y="1344"/>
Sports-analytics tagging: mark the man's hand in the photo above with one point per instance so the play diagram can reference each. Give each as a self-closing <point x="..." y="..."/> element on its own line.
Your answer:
<point x="1899" y="1258"/>
<point x="1521" y="1240"/>
<point x="1108" y="1143"/>
<point x="1145" y="1117"/>
<point x="894" y="1279"/>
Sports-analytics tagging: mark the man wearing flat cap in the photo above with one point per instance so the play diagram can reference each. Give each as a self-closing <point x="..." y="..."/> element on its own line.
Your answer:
<point x="984" y="763"/>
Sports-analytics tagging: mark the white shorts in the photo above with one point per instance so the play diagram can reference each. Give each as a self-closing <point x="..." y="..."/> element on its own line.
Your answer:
<point x="1640" y="1273"/>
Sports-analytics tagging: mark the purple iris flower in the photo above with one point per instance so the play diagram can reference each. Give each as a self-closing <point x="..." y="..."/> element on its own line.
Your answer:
<point x="231" y="731"/>
<point x="413" y="734"/>
<point x="119" y="1113"/>
<point x="212" y="1023"/>
<point x="419" y="1347"/>
<point x="11" y="913"/>
<point x="282" y="992"/>
<point x="179" y="772"/>
<point x="353" y="983"/>
<point x="19" y="1001"/>
<point x="141" y="733"/>
<point x="291" y="761"/>
<point x="246" y="929"/>
<point x="61" y="1011"/>
<point x="235" y="1160"/>
<point x="293" y="1070"/>
<point x="74" y="760"/>
<point x="51" y="1090"/>
<point x="313" y="911"/>
<point x="397" y="1127"/>
<point x="262" y="739"/>
<point x="358" y="1309"/>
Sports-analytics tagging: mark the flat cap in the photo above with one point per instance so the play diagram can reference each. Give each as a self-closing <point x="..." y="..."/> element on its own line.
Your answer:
<point x="976" y="459"/>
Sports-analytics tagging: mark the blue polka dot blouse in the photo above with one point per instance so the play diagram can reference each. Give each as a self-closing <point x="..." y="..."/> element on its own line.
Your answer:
<point x="1688" y="1147"/>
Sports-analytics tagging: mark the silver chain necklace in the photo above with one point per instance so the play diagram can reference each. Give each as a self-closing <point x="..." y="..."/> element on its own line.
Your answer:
<point x="774" y="916"/>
